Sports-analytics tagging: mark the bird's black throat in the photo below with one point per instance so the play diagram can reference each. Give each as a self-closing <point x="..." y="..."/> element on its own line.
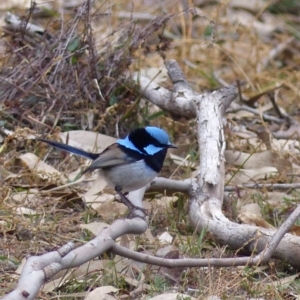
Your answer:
<point x="156" y="161"/>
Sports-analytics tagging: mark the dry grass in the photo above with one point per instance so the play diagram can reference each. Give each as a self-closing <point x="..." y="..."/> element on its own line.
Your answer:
<point x="47" y="84"/>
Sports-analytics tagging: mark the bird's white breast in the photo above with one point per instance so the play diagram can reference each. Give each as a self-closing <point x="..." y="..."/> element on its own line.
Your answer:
<point x="129" y="177"/>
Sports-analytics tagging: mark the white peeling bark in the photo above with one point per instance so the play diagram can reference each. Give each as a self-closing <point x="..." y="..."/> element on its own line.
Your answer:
<point x="38" y="269"/>
<point x="178" y="101"/>
<point x="212" y="145"/>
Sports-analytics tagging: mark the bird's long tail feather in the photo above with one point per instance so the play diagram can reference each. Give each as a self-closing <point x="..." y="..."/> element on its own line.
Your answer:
<point x="70" y="149"/>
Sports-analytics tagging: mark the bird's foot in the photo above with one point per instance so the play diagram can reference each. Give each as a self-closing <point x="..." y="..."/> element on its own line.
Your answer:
<point x="133" y="209"/>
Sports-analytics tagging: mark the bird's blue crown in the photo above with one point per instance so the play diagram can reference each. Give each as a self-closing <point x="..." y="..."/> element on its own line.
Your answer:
<point x="159" y="134"/>
<point x="147" y="141"/>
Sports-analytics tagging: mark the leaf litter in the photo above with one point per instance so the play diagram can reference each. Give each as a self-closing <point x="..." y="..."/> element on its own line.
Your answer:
<point x="41" y="190"/>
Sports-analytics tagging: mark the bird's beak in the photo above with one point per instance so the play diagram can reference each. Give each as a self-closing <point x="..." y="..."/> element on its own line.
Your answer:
<point x="172" y="146"/>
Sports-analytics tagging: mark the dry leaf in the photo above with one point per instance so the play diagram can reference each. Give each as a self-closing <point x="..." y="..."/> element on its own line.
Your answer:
<point x="87" y="140"/>
<point x="161" y="204"/>
<point x="276" y="199"/>
<point x="97" y="186"/>
<point x="29" y="197"/>
<point x="24" y="211"/>
<point x="248" y="20"/>
<point x="54" y="284"/>
<point x="158" y="75"/>
<point x="181" y="161"/>
<point x="165" y="238"/>
<point x="95" y="201"/>
<point x="100" y="293"/>
<point x="172" y="296"/>
<point x="111" y="210"/>
<point x="254" y="6"/>
<point x="89" y="267"/>
<point x="252" y="219"/>
<point x="250" y="161"/>
<point x="122" y="264"/>
<point x="172" y="275"/>
<point x="61" y="277"/>
<point x="4" y="174"/>
<point x="286" y="146"/>
<point x="295" y="230"/>
<point x="244" y="176"/>
<point x="284" y="282"/>
<point x="42" y="169"/>
<point x="137" y="283"/>
<point x="169" y="251"/>
<point x="94" y="227"/>
<point x="7" y="5"/>
<point x="149" y="235"/>
<point x="252" y="208"/>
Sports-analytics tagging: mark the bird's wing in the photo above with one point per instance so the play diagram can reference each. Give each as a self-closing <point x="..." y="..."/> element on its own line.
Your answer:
<point x="70" y="149"/>
<point x="110" y="157"/>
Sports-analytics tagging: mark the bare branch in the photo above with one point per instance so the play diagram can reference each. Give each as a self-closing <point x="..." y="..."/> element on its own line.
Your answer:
<point x="38" y="269"/>
<point x="179" y="102"/>
<point x="170" y="185"/>
<point x="177" y="77"/>
<point x="279" y="234"/>
<point x="275" y="186"/>
<point x="15" y="23"/>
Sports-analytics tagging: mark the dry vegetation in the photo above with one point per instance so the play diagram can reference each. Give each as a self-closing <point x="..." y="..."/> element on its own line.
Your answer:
<point x="48" y="86"/>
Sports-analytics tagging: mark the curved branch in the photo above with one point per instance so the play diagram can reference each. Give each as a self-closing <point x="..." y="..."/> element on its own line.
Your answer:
<point x="38" y="269"/>
<point x="180" y="101"/>
<point x="265" y="242"/>
<point x="171" y="185"/>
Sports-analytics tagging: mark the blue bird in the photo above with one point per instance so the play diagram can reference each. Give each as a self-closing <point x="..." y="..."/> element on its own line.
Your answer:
<point x="130" y="163"/>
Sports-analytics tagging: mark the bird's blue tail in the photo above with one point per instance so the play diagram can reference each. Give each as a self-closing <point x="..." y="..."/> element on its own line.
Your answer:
<point x="70" y="149"/>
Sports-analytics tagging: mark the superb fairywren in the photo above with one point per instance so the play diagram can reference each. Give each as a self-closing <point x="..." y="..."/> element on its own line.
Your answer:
<point x="130" y="163"/>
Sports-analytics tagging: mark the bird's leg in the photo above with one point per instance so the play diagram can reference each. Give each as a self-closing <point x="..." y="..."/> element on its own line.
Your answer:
<point x="130" y="205"/>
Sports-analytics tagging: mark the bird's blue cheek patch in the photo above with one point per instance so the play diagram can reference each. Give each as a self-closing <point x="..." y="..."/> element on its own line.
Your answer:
<point x="151" y="149"/>
<point x="128" y="144"/>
